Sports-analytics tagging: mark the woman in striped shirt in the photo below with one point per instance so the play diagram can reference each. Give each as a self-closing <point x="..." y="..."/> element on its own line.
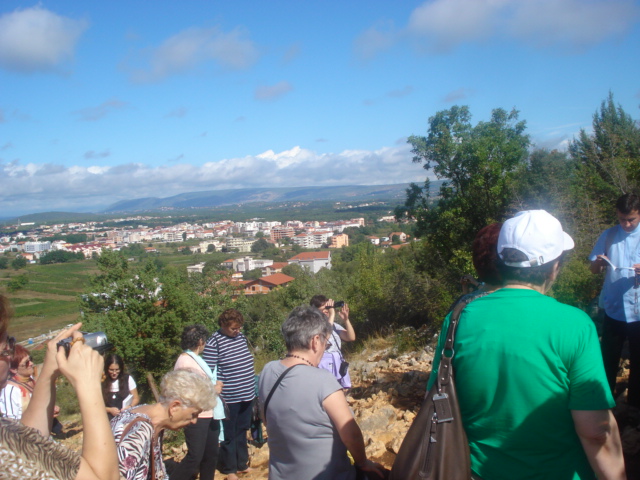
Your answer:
<point x="228" y="351"/>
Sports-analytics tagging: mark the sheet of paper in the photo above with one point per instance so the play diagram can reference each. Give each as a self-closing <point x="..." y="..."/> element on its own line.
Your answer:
<point x="614" y="267"/>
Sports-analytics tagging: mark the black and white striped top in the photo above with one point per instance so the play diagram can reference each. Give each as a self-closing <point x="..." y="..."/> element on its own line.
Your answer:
<point x="235" y="366"/>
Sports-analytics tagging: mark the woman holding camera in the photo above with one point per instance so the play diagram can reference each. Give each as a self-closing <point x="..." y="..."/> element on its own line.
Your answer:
<point x="333" y="360"/>
<point x="26" y="450"/>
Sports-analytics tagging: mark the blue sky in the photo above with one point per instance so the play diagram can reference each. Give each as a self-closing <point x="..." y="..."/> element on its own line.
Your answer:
<point x="103" y="101"/>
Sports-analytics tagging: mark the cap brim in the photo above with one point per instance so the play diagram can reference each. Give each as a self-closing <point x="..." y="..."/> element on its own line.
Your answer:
<point x="568" y="243"/>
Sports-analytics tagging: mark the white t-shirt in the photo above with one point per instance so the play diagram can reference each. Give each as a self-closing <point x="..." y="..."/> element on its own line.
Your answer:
<point x="115" y="387"/>
<point x="11" y="402"/>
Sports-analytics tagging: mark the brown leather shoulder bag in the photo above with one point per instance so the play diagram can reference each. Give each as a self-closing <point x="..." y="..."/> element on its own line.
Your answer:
<point x="436" y="447"/>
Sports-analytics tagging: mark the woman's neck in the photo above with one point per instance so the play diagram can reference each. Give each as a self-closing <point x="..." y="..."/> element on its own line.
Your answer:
<point x="527" y="286"/>
<point x="298" y="356"/>
<point x="157" y="413"/>
<point x="21" y="379"/>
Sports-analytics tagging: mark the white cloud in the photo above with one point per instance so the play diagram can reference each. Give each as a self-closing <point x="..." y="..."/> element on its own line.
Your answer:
<point x="91" y="154"/>
<point x="374" y="40"/>
<point x="459" y="94"/>
<point x="192" y="47"/>
<point x="439" y="26"/>
<point x="33" y="187"/>
<point x="447" y="23"/>
<point x="403" y="92"/>
<point x="37" y="40"/>
<point x="271" y="92"/>
<point x="91" y="114"/>
<point x="571" y="23"/>
<point x="292" y="53"/>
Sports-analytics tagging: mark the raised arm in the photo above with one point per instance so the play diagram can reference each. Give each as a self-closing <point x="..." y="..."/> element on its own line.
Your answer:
<point x="39" y="413"/>
<point x="598" y="433"/>
<point x="348" y="334"/>
<point x="83" y="368"/>
<point x="337" y="408"/>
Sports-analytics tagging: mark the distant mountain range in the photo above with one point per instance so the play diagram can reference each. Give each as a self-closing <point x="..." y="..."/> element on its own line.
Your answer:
<point x="217" y="198"/>
<point x="394" y="194"/>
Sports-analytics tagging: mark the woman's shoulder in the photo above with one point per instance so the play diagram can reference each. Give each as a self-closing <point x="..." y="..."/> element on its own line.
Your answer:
<point x="138" y="421"/>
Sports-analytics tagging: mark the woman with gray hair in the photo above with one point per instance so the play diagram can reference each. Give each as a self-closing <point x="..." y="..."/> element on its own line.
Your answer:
<point x="138" y="431"/>
<point x="308" y="420"/>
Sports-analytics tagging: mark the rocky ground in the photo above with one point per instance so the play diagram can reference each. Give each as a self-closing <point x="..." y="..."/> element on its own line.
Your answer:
<point x="387" y="394"/>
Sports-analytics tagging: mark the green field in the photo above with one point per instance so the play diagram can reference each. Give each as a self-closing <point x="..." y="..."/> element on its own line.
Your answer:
<point x="50" y="299"/>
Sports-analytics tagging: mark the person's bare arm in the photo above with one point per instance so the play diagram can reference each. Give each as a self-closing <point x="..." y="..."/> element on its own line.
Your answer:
<point x="337" y="408"/>
<point x="598" y="433"/>
<point x="348" y="334"/>
<point x="136" y="398"/>
<point x="83" y="368"/>
<point x="39" y="413"/>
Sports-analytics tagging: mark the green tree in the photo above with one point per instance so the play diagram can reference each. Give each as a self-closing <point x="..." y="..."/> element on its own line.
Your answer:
<point x="546" y="183"/>
<point x="18" y="282"/>
<point x="254" y="274"/>
<point x="477" y="165"/>
<point x="59" y="256"/>
<point x="143" y="311"/>
<point x="4" y="263"/>
<point x="211" y="248"/>
<point x="608" y="163"/>
<point x="260" y="245"/>
<point x="19" y="262"/>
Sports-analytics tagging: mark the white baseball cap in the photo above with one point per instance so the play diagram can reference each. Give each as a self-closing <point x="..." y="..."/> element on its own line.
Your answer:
<point x="535" y="233"/>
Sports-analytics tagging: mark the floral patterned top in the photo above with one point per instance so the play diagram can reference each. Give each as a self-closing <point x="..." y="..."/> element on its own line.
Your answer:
<point x="134" y="448"/>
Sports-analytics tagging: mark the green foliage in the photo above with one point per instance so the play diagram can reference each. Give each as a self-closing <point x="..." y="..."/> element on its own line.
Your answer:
<point x="66" y="397"/>
<point x="4" y="263"/>
<point x="143" y="311"/>
<point x="478" y="165"/>
<point x="260" y="245"/>
<point x="19" y="262"/>
<point x="211" y="248"/>
<point x="293" y="270"/>
<point x="60" y="256"/>
<point x="575" y="284"/>
<point x="17" y="283"/>
<point x="254" y="274"/>
<point x="608" y="164"/>
<point x="70" y="238"/>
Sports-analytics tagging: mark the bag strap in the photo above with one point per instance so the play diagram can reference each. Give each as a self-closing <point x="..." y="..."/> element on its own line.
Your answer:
<point x="445" y="368"/>
<point x="275" y="385"/>
<point x="127" y="429"/>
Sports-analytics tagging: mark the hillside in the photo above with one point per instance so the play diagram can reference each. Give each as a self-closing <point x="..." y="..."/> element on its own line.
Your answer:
<point x="266" y="195"/>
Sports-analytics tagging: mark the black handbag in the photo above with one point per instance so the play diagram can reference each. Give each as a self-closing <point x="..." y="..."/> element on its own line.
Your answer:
<point x="436" y="446"/>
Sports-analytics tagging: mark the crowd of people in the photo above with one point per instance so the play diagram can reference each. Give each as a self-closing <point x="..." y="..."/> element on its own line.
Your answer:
<point x="534" y="382"/>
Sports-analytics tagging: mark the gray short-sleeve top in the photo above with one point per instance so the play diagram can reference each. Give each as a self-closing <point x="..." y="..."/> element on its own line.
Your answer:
<point x="303" y="442"/>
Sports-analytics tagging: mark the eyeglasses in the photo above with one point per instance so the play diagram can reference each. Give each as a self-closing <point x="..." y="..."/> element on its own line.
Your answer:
<point x="114" y="370"/>
<point x="27" y="363"/>
<point x="9" y="348"/>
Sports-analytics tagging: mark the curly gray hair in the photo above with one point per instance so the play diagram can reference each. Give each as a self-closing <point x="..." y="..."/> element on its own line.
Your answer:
<point x="189" y="388"/>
